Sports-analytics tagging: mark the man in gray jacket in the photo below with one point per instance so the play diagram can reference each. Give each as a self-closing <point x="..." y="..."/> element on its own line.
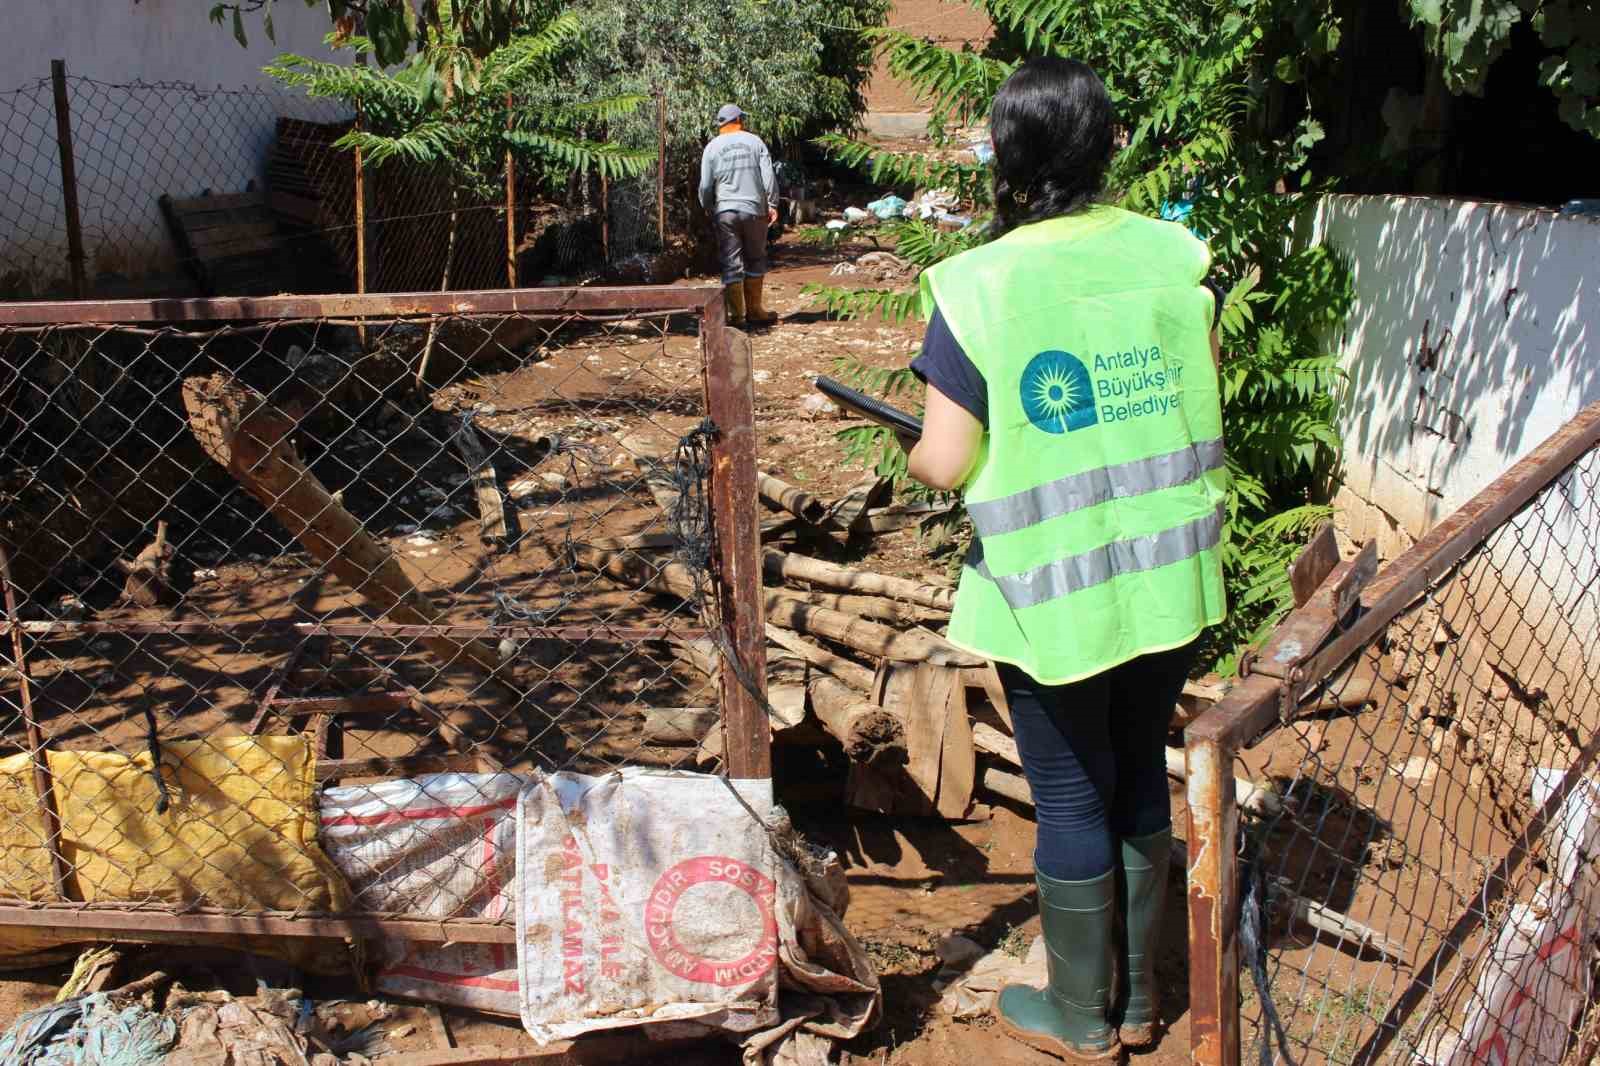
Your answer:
<point x="740" y="195"/>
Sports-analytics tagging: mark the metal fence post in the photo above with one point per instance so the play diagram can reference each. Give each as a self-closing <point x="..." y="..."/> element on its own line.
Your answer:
<point x="1210" y="744"/>
<point x="43" y="785"/>
<point x="661" y="166"/>
<point x="361" y="215"/>
<point x="69" y="179"/>
<point x="730" y="401"/>
<point x="511" y="205"/>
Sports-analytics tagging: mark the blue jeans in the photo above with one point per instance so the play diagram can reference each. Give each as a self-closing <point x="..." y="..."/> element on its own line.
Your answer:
<point x="1093" y="754"/>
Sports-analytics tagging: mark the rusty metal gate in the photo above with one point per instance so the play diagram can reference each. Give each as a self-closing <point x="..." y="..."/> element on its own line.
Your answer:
<point x="1420" y="884"/>
<point x="257" y="551"/>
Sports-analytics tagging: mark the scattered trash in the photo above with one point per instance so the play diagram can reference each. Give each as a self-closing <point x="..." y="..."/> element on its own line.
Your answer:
<point x="972" y="994"/>
<point x="982" y="151"/>
<point x="948" y="219"/>
<point x="836" y="224"/>
<point x="855" y="214"/>
<point x="885" y="266"/>
<point x="817" y="405"/>
<point x="697" y="892"/>
<point x="890" y="206"/>
<point x="931" y="203"/>
<point x="441" y="846"/>
<point x="761" y="377"/>
<point x="88" y="1031"/>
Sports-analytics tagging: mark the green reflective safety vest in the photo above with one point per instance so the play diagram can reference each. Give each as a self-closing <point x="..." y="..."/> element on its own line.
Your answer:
<point x="1098" y="496"/>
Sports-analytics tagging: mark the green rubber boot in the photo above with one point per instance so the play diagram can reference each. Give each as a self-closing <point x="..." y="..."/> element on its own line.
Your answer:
<point x="1146" y="862"/>
<point x="1069" y="1016"/>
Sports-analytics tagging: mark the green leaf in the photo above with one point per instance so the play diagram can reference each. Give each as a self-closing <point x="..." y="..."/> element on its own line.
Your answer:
<point x="238" y="29"/>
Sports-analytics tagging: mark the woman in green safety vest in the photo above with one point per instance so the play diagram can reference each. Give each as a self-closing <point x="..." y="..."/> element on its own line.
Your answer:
<point x="1073" y="398"/>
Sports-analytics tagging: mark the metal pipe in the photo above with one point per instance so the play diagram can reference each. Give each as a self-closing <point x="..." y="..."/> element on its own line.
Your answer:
<point x="43" y="786"/>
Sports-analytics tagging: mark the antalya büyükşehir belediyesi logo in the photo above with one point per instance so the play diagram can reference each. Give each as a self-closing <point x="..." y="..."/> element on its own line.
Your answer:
<point x="1057" y="395"/>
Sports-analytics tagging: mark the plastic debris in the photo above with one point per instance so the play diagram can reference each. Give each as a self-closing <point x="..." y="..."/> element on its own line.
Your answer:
<point x="836" y="224"/>
<point x="890" y="206"/>
<point x="933" y="202"/>
<point x="855" y="214"/>
<point x="88" y="1031"/>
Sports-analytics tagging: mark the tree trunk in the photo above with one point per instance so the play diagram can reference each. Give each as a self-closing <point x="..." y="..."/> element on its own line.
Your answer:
<point x="444" y="286"/>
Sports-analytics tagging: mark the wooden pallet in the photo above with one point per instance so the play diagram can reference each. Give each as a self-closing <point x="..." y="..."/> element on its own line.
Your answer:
<point x="231" y="243"/>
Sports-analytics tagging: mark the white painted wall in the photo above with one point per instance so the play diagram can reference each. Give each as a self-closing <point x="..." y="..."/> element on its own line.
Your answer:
<point x="1508" y="299"/>
<point x="1503" y="302"/>
<point x="132" y="145"/>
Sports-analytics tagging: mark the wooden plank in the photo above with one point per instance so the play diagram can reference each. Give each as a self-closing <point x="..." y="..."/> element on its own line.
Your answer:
<point x="958" y="762"/>
<point x="233" y="241"/>
<point x="356" y="703"/>
<point x="299" y="208"/>
<point x="905" y="693"/>
<point x="224" y="202"/>
<point x="402" y="766"/>
<point x="987" y="738"/>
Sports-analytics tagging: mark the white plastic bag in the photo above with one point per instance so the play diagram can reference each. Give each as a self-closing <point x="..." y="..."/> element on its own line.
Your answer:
<point x="646" y="896"/>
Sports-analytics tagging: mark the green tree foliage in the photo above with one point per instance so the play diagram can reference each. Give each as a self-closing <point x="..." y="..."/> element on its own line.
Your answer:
<point x="798" y="67"/>
<point x="393" y="27"/>
<point x="447" y="107"/>
<point x="1469" y="35"/>
<point x="1190" y="79"/>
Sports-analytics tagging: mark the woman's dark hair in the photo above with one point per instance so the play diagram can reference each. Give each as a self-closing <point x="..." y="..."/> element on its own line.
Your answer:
<point x="1052" y="127"/>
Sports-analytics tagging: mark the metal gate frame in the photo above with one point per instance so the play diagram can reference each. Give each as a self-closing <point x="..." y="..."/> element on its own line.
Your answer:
<point x="1340" y="607"/>
<point x="736" y="575"/>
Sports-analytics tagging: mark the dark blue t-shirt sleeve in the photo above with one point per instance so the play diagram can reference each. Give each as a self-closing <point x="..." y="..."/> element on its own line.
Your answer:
<point x="945" y="366"/>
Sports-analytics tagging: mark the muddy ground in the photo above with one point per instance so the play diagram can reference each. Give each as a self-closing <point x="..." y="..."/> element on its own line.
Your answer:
<point x="913" y="881"/>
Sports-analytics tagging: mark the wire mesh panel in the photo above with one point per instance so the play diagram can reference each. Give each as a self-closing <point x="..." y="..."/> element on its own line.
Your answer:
<point x="281" y="569"/>
<point x="1426" y="890"/>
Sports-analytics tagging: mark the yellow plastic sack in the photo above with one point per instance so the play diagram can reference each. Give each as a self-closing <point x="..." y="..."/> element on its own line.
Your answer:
<point x="240" y="833"/>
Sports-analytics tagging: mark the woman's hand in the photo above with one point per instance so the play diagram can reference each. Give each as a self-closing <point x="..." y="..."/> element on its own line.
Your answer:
<point x="948" y="449"/>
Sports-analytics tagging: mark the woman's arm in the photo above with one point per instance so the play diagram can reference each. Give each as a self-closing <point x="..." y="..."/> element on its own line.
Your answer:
<point x="951" y="439"/>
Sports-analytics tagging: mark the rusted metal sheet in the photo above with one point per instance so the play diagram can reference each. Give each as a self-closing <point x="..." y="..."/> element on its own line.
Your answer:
<point x="378" y="305"/>
<point x="1449" y="542"/>
<point x="43" y="788"/>
<point x="730" y="401"/>
<point x="1314" y="563"/>
<point x="1302" y="634"/>
<point x="268" y="627"/>
<point x="85" y="923"/>
<point x="1210" y="745"/>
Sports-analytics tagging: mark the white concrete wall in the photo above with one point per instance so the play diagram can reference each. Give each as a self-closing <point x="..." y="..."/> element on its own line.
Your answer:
<point x="1506" y="301"/>
<point x="133" y="145"/>
<point x="1475" y="336"/>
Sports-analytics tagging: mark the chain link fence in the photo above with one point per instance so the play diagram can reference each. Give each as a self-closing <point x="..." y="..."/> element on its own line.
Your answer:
<point x="278" y="571"/>
<point x="1424" y="888"/>
<point x="170" y="189"/>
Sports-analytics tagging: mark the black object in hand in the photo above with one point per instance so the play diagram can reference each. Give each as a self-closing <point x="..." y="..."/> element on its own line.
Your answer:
<point x="870" y="408"/>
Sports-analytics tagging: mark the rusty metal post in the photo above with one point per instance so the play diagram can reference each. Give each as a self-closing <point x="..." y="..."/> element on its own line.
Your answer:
<point x="43" y="787"/>
<point x="661" y="166"/>
<point x="511" y="206"/>
<point x="1210" y="744"/>
<point x="730" y="402"/>
<point x="69" y="180"/>
<point x="605" y="219"/>
<point x="361" y="216"/>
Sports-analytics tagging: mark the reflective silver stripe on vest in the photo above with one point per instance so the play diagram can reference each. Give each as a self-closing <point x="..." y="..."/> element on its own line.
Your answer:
<point x="1087" y="569"/>
<point x="1077" y="491"/>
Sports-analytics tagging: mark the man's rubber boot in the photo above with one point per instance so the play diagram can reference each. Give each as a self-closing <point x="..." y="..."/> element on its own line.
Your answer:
<point x="757" y="314"/>
<point x="1069" y="1017"/>
<point x="733" y="297"/>
<point x="1146" y="862"/>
